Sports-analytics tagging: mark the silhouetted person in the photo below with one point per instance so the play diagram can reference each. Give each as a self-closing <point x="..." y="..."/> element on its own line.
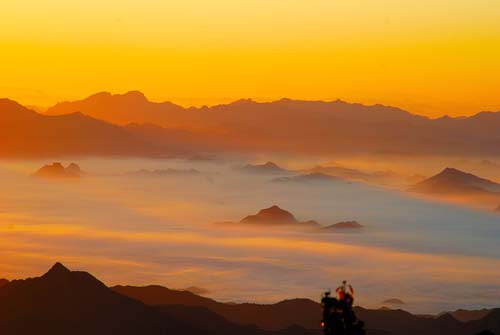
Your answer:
<point x="338" y="315"/>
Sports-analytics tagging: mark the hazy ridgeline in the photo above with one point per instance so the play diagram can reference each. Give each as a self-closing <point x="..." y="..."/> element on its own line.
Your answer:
<point x="136" y="229"/>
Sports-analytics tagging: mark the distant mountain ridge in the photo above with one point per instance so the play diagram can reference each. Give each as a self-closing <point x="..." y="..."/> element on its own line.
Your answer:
<point x="122" y="107"/>
<point x="311" y="126"/>
<point x="131" y="125"/>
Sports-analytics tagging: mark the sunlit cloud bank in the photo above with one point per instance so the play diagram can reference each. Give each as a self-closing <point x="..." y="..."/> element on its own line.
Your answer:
<point x="143" y="231"/>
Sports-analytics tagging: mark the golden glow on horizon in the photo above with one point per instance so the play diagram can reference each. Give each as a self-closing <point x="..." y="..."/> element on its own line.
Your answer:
<point x="430" y="57"/>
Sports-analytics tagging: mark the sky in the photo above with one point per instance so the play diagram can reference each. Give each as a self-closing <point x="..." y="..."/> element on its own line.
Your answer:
<point x="431" y="57"/>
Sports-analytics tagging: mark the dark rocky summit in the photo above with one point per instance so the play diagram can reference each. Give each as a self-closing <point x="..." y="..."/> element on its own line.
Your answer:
<point x="266" y="168"/>
<point x="453" y="181"/>
<point x="344" y="225"/>
<point x="275" y="216"/>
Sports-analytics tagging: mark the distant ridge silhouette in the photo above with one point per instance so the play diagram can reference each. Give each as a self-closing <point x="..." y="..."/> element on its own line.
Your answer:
<point x="344" y="225"/>
<point x="130" y="125"/>
<point x="275" y="216"/>
<point x="311" y="126"/>
<point x="308" y="177"/>
<point x="265" y="168"/>
<point x="56" y="170"/>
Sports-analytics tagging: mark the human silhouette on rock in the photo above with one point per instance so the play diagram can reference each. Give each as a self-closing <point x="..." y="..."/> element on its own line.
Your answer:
<point x="338" y="316"/>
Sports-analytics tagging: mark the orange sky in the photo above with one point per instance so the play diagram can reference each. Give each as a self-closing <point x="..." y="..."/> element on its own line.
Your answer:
<point x="431" y="57"/>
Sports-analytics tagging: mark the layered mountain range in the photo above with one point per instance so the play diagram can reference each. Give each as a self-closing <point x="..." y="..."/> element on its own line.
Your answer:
<point x="130" y="124"/>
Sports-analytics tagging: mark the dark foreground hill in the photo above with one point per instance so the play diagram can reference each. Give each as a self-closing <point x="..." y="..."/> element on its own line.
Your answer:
<point x="302" y="312"/>
<point x="301" y="316"/>
<point x="72" y="302"/>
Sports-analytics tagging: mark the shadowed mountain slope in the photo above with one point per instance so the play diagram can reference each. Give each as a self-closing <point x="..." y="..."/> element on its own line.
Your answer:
<point x="65" y="302"/>
<point x="303" y="312"/>
<point x="71" y="302"/>
<point x="24" y="132"/>
<point x="301" y="316"/>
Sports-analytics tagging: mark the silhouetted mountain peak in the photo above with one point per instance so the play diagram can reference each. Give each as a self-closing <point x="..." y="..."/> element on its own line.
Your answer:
<point x="6" y="103"/>
<point x="98" y="95"/>
<point x="452" y="180"/>
<point x="10" y="107"/>
<point x="453" y="171"/>
<point x="458" y="175"/>
<point x="57" y="170"/>
<point x="276" y="216"/>
<point x="135" y="95"/>
<point x="57" y="270"/>
<point x="268" y="167"/>
<point x="273" y="214"/>
<point x="344" y="225"/>
<point x="274" y="211"/>
<point x="241" y="102"/>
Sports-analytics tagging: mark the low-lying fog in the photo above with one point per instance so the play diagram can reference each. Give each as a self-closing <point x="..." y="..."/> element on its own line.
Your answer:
<point x="135" y="229"/>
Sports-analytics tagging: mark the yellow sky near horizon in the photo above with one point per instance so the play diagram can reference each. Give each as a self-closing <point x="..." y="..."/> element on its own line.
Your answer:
<point x="429" y="57"/>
